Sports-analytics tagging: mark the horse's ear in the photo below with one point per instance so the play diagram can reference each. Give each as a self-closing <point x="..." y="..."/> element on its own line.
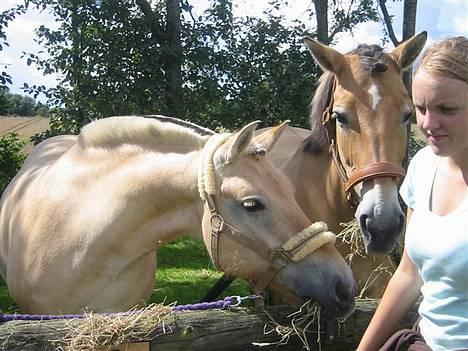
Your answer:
<point x="329" y="59"/>
<point x="406" y="52"/>
<point x="267" y="140"/>
<point x="238" y="142"/>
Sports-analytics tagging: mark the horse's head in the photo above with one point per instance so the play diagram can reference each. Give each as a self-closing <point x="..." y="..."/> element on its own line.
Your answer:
<point x="361" y="112"/>
<point x="254" y="228"/>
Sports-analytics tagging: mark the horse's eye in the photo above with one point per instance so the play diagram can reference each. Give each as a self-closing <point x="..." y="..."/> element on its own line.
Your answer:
<point x="253" y="205"/>
<point x="408" y="117"/>
<point x="339" y="117"/>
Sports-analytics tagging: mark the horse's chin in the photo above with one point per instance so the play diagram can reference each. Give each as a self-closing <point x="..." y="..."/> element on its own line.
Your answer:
<point x="372" y="244"/>
<point x="332" y="314"/>
<point x="373" y="248"/>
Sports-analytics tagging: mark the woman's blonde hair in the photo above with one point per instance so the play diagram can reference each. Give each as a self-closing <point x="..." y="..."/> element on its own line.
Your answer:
<point x="447" y="58"/>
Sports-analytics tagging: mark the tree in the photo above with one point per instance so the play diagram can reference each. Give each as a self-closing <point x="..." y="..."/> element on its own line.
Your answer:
<point x="408" y="29"/>
<point x="21" y="105"/>
<point x="11" y="158"/>
<point x="344" y="17"/>
<point x="5" y="104"/>
<point x="125" y="56"/>
<point x="243" y="69"/>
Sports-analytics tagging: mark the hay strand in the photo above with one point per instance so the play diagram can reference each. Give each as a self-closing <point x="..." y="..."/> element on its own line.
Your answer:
<point x="351" y="235"/>
<point x="300" y="322"/>
<point x="100" y="331"/>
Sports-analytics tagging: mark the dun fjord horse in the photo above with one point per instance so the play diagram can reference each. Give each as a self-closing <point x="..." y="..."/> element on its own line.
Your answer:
<point x="351" y="159"/>
<point x="82" y="220"/>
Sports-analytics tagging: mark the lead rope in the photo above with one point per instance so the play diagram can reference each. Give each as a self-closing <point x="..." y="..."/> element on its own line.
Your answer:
<point x="227" y="302"/>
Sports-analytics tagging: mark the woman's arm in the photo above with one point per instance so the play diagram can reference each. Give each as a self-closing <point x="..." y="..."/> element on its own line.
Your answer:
<point x="401" y="293"/>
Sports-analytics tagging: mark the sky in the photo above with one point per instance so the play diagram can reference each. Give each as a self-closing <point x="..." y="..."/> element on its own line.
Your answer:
<point x="440" y="18"/>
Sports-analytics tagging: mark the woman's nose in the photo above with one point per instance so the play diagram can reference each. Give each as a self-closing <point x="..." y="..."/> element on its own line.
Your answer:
<point x="430" y="120"/>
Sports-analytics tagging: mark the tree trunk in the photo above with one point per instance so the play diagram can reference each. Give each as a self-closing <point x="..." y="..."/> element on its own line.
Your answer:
<point x="173" y="54"/>
<point x="408" y="26"/>
<point x="409" y="29"/>
<point x="236" y="329"/>
<point x="77" y="65"/>
<point x="321" y="14"/>
<point x="169" y="40"/>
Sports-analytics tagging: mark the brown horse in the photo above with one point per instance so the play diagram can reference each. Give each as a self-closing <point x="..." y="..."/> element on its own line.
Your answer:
<point x="80" y="223"/>
<point x="349" y="162"/>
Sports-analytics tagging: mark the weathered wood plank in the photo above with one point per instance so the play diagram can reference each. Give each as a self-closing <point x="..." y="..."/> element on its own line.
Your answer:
<point x="222" y="330"/>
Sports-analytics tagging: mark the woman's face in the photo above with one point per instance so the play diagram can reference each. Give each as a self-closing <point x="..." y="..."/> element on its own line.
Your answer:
<point x="442" y="113"/>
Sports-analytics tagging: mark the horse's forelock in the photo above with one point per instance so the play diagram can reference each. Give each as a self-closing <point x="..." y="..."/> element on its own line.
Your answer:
<point x="317" y="141"/>
<point x="372" y="58"/>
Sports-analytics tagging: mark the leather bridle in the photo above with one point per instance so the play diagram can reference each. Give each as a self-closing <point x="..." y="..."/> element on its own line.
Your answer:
<point x="294" y="249"/>
<point x="359" y="175"/>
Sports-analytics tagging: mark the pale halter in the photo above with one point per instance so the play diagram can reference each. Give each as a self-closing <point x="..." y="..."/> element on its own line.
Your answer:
<point x="294" y="249"/>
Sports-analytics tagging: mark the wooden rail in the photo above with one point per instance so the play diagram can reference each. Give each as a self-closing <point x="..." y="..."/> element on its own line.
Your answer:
<point x="236" y="329"/>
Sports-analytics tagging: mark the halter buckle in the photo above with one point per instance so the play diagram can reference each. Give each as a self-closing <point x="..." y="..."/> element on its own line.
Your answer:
<point x="282" y="253"/>
<point x="217" y="223"/>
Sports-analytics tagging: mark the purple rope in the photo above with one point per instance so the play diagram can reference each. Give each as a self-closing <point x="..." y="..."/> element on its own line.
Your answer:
<point x="230" y="301"/>
<point x="208" y="305"/>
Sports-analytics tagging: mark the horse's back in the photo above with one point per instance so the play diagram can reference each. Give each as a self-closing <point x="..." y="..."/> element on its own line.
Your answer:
<point x="288" y="142"/>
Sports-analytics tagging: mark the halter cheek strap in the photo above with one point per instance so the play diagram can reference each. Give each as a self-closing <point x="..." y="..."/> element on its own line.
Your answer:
<point x="294" y="249"/>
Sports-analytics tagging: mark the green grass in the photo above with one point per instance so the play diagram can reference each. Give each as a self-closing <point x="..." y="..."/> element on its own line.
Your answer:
<point x="7" y="305"/>
<point x="184" y="275"/>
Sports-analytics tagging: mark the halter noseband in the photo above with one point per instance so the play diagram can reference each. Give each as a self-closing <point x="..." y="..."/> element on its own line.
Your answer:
<point x="367" y="172"/>
<point x="294" y="249"/>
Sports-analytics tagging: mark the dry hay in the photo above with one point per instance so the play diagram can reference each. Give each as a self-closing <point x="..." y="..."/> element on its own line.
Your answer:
<point x="101" y="331"/>
<point x="300" y="325"/>
<point x="351" y="235"/>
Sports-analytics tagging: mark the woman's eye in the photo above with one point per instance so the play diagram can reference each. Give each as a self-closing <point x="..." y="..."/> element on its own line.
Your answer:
<point x="420" y="109"/>
<point x="339" y="117"/>
<point x="448" y="110"/>
<point x="253" y="205"/>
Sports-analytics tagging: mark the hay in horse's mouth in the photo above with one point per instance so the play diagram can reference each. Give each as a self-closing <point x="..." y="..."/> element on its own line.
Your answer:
<point x="351" y="235"/>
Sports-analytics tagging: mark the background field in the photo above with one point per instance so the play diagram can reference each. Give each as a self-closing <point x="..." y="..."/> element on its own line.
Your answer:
<point x="25" y="127"/>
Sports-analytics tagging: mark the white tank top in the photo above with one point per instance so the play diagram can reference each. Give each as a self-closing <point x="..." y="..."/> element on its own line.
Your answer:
<point x="438" y="245"/>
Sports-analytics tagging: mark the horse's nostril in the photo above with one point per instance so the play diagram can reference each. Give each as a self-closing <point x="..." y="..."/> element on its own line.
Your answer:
<point x="343" y="294"/>
<point x="363" y="225"/>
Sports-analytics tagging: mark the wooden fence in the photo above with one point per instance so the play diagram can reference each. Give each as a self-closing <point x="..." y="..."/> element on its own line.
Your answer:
<point x="236" y="329"/>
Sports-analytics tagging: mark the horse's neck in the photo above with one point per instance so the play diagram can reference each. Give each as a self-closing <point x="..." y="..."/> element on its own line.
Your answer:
<point x="319" y="189"/>
<point x="152" y="197"/>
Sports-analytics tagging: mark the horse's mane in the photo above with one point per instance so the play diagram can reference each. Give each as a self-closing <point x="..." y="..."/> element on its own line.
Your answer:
<point x="144" y="132"/>
<point x="373" y="60"/>
<point x="195" y="127"/>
